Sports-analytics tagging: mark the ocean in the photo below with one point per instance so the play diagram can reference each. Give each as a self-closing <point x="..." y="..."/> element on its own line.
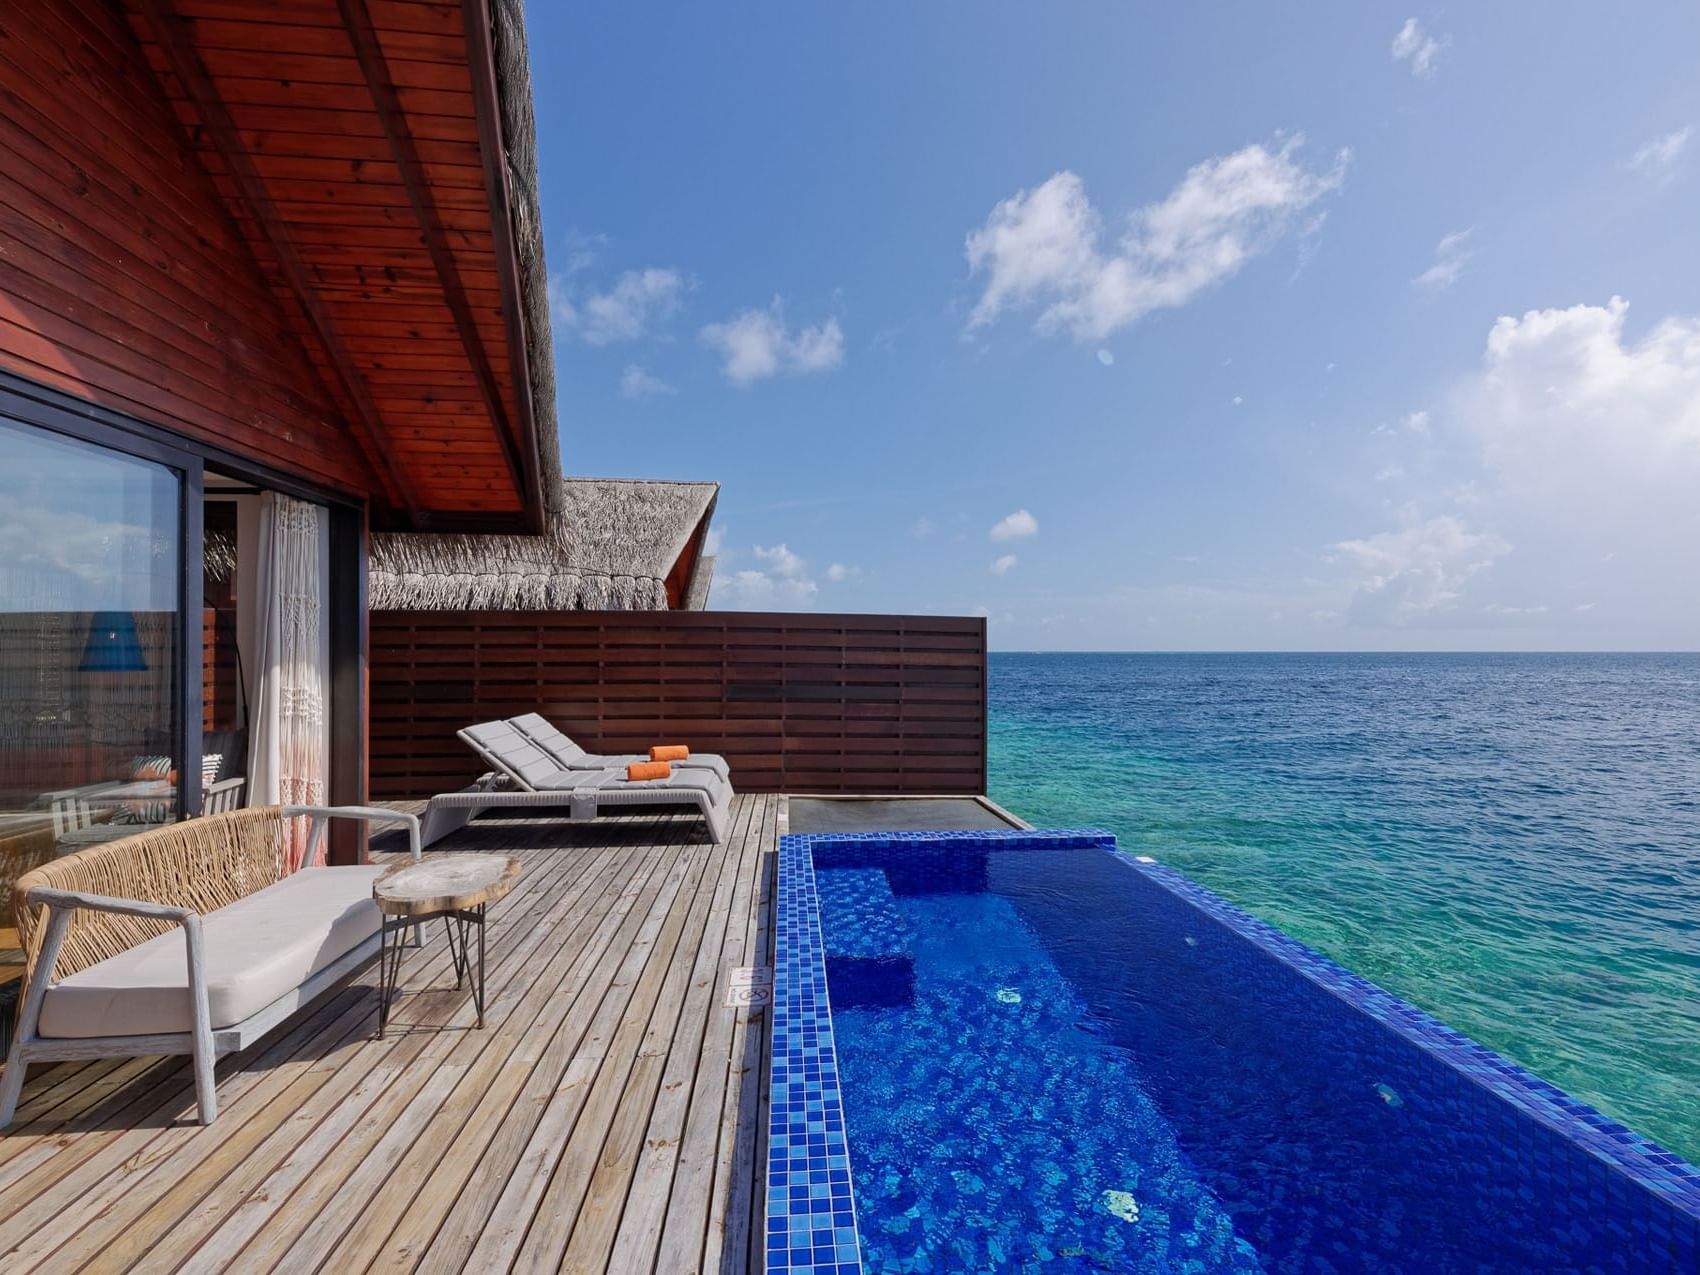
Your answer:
<point x="1511" y="842"/>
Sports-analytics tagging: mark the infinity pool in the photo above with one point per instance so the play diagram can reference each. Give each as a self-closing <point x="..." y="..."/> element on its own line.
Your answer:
<point x="1029" y="1052"/>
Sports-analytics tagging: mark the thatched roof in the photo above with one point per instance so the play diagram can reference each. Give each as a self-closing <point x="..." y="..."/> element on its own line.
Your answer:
<point x="611" y="547"/>
<point x="519" y="136"/>
<point x="701" y="583"/>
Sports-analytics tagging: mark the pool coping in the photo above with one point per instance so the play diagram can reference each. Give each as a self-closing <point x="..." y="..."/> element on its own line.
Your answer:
<point x="812" y="1179"/>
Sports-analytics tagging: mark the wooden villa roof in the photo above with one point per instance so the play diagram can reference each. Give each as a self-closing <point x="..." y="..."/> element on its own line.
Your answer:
<point x="377" y="158"/>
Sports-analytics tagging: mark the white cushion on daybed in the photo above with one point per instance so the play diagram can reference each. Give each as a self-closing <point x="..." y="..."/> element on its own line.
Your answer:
<point x="257" y="949"/>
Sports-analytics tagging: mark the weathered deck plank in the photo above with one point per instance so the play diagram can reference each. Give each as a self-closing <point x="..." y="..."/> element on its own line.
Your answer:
<point x="691" y="1052"/>
<point x="199" y="1167"/>
<point x="595" y="1124"/>
<point x="715" y="1179"/>
<point x="173" y="1167"/>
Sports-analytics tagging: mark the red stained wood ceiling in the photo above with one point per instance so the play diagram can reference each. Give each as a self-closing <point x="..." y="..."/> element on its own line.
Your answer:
<point x="345" y="139"/>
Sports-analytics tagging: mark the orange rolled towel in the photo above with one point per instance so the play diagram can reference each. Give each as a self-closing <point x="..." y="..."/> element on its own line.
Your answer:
<point x="669" y="752"/>
<point x="648" y="770"/>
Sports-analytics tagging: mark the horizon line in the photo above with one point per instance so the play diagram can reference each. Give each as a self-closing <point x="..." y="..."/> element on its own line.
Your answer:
<point x="1334" y="651"/>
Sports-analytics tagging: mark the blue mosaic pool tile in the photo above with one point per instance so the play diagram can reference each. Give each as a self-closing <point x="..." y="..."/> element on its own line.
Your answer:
<point x="859" y="915"/>
<point x="811" y="1212"/>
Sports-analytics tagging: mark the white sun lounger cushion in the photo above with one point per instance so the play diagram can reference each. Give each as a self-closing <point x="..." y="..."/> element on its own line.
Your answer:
<point x="504" y="746"/>
<point x="539" y="730"/>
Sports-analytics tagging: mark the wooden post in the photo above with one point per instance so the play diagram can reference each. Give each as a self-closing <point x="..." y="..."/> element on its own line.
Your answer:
<point x="348" y="707"/>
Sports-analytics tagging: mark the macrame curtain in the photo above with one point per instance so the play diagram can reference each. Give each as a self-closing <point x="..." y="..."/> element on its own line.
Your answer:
<point x="291" y="745"/>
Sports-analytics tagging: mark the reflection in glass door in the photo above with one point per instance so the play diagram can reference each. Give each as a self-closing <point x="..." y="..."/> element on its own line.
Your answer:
<point x="90" y="570"/>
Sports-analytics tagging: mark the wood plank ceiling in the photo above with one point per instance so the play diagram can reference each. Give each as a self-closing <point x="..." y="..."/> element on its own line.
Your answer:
<point x="356" y="145"/>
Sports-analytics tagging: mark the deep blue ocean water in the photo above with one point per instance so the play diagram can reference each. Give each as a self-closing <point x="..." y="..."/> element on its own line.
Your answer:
<point x="1511" y="842"/>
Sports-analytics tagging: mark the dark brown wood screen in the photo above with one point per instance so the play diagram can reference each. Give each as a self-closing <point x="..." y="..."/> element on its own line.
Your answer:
<point x="797" y="703"/>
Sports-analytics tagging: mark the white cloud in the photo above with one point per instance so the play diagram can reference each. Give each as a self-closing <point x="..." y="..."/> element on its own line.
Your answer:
<point x="1106" y="358"/>
<point x="1238" y="400"/>
<point x="1565" y="403"/>
<point x="1414" y="45"/>
<point x="838" y="573"/>
<point x="581" y="251"/>
<point x="1016" y="526"/>
<point x="561" y="307"/>
<point x="757" y="344"/>
<point x="1406" y="576"/>
<point x="637" y="383"/>
<point x="1580" y="445"/>
<point x="1046" y="246"/>
<point x="1004" y="565"/>
<point x="625" y="312"/>
<point x="1658" y="158"/>
<point x="1417" y="422"/>
<point x="782" y="584"/>
<point x="1451" y="255"/>
<point x="923" y="528"/>
<point x="783" y="563"/>
<point x="716" y="539"/>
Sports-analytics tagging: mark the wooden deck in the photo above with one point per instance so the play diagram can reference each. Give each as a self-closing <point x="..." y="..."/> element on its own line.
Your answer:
<point x="609" y="1118"/>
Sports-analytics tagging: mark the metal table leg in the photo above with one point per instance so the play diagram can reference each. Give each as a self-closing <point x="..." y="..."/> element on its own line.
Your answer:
<point x="392" y="944"/>
<point x="458" y="925"/>
<point x="480" y="994"/>
<point x="389" y="968"/>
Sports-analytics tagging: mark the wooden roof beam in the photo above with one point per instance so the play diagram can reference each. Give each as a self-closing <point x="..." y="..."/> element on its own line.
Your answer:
<point x="366" y="427"/>
<point x="374" y="67"/>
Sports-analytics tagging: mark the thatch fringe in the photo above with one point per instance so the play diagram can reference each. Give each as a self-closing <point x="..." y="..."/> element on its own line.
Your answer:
<point x="519" y="137"/>
<point x="418" y="591"/>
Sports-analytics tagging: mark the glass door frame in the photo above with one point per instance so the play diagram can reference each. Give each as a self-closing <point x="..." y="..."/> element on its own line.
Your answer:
<point x="33" y="404"/>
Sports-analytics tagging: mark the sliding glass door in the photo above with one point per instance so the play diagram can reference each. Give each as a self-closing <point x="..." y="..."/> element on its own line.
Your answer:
<point x="125" y="703"/>
<point x="91" y="643"/>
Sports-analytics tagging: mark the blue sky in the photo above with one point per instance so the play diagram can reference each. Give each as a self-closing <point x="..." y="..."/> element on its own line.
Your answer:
<point x="1138" y="327"/>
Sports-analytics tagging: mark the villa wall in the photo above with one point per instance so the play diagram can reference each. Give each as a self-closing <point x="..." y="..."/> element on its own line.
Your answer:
<point x="797" y="703"/>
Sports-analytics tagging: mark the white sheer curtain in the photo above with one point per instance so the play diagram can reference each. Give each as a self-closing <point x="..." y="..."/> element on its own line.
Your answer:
<point x="290" y="748"/>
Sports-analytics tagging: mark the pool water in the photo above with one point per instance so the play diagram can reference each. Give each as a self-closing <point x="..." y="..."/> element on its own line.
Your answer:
<point x="1063" y="1060"/>
<point x="994" y="1125"/>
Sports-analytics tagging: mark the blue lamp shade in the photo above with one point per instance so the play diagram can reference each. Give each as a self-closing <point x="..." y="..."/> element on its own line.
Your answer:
<point x="113" y="645"/>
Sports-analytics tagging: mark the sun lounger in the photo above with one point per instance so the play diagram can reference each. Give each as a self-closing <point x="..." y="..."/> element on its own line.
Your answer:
<point x="567" y="752"/>
<point x="524" y="777"/>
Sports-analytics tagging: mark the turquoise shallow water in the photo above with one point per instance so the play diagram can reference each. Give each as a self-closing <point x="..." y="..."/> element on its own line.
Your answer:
<point x="1511" y="842"/>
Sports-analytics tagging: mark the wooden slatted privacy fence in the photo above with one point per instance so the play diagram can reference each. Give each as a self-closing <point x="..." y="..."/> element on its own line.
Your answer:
<point x="797" y="703"/>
